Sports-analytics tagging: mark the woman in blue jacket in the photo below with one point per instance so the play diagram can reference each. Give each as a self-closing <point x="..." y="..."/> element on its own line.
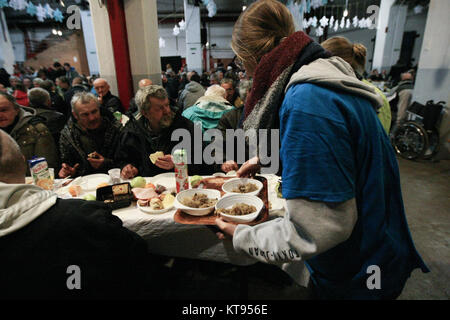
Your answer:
<point x="344" y="217"/>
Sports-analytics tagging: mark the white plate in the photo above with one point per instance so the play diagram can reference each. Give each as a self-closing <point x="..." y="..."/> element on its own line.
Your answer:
<point x="165" y="179"/>
<point x="149" y="210"/>
<point x="92" y="181"/>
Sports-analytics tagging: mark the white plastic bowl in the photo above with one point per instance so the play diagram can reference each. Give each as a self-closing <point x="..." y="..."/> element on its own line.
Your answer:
<point x="210" y="193"/>
<point x="228" y="202"/>
<point x="228" y="186"/>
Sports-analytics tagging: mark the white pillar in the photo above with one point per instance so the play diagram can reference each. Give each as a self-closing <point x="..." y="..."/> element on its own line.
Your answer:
<point x="143" y="40"/>
<point x="380" y="40"/>
<point x="89" y="41"/>
<point x="433" y="74"/>
<point x="193" y="38"/>
<point x="105" y="54"/>
<point x="7" y="58"/>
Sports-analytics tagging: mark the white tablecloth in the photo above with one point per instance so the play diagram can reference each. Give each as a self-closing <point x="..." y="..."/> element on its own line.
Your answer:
<point x="166" y="237"/>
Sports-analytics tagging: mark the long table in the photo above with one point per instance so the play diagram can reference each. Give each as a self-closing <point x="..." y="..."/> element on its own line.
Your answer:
<point x="166" y="237"/>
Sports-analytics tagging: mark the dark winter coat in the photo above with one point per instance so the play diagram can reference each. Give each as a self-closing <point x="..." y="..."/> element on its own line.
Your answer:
<point x="75" y="144"/>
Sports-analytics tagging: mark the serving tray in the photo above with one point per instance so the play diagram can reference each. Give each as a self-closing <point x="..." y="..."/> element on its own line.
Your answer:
<point x="216" y="183"/>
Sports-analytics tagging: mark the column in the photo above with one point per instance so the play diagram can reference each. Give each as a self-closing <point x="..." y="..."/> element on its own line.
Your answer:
<point x="89" y="42"/>
<point x="143" y="40"/>
<point x="7" y="59"/>
<point x="433" y="74"/>
<point x="193" y="37"/>
<point x="103" y="41"/>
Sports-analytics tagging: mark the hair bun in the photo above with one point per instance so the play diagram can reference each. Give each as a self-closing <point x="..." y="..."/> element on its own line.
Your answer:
<point x="359" y="51"/>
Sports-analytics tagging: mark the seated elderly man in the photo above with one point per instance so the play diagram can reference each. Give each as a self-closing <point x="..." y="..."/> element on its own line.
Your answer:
<point x="106" y="98"/>
<point x="62" y="248"/>
<point x="40" y="101"/>
<point x="232" y="94"/>
<point x="29" y="131"/>
<point x="404" y="91"/>
<point x="87" y="143"/>
<point x="149" y="132"/>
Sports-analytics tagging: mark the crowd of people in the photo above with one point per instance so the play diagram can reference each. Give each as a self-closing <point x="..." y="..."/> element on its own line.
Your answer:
<point x="341" y="217"/>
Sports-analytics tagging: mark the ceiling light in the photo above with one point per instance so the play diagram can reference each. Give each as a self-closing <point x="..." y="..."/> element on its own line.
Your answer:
<point x="54" y="32"/>
<point x="59" y="33"/>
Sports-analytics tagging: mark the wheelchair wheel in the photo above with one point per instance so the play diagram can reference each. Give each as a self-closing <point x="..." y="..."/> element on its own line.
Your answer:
<point x="410" y="140"/>
<point x="433" y="144"/>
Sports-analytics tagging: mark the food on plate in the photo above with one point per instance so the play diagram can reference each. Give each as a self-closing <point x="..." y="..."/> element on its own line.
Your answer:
<point x="245" y="188"/>
<point x="143" y="202"/>
<point x="93" y="155"/>
<point x="160" y="188"/>
<point x="138" y="182"/>
<point x="74" y="191"/>
<point x="278" y="190"/>
<point x="103" y="184"/>
<point x="198" y="200"/>
<point x="167" y="200"/>
<point x="144" y="193"/>
<point x="238" y="209"/>
<point x="150" y="185"/>
<point x="214" y="183"/>
<point x="156" y="204"/>
<point x="120" y="189"/>
<point x="46" y="184"/>
<point x="155" y="156"/>
<point x="195" y="181"/>
<point x="89" y="197"/>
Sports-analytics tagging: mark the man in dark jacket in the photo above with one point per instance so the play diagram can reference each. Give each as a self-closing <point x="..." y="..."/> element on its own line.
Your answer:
<point x="64" y="249"/>
<point x="151" y="132"/>
<point x="88" y="141"/>
<point x="77" y="86"/>
<point x="32" y="135"/>
<point x="40" y="101"/>
<point x="106" y="98"/>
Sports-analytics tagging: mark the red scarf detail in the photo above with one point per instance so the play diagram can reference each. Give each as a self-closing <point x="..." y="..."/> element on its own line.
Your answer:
<point x="272" y="64"/>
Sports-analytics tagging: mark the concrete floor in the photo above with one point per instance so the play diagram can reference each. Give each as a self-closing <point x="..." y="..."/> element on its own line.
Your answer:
<point x="426" y="195"/>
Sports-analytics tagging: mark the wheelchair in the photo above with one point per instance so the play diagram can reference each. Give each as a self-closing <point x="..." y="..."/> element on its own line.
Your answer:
<point x="417" y="137"/>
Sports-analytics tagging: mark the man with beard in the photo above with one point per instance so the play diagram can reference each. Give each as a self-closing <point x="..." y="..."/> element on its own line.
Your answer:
<point x="149" y="132"/>
<point x="87" y="143"/>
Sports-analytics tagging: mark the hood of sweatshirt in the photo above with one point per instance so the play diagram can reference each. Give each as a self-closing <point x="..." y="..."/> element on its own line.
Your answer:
<point x="21" y="204"/>
<point x="335" y="73"/>
<point x="194" y="87"/>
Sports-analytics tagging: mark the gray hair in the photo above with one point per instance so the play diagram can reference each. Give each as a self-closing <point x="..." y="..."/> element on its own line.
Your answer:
<point x="143" y="95"/>
<point x="11" y="99"/>
<point x="38" y="97"/>
<point x="82" y="97"/>
<point x="38" y="80"/>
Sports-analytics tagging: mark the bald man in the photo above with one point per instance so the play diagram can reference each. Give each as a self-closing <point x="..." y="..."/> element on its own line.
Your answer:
<point x="106" y="98"/>
<point x="142" y="84"/>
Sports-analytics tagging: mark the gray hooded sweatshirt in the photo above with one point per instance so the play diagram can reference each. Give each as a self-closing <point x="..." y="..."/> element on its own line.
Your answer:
<point x="20" y="204"/>
<point x="190" y="94"/>
<point x="308" y="228"/>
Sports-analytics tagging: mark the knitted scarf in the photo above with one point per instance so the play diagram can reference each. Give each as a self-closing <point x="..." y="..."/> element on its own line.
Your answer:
<point x="272" y="76"/>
